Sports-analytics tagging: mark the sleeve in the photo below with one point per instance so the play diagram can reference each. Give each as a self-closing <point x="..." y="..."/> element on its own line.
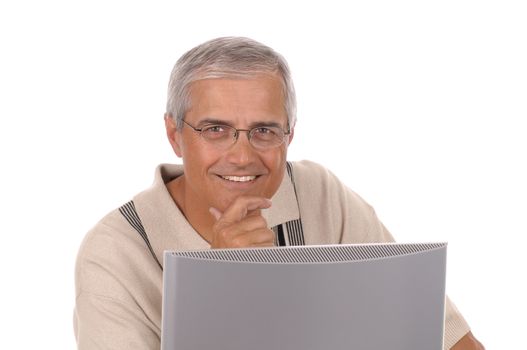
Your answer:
<point x="455" y="325"/>
<point x="103" y="323"/>
<point x="352" y="220"/>
<point x="118" y="291"/>
<point x="375" y="232"/>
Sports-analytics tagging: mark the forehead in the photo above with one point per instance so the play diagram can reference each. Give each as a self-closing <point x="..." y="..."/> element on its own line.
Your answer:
<point x="259" y="97"/>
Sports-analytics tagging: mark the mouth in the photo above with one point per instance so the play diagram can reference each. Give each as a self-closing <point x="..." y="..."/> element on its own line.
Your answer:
<point x="233" y="178"/>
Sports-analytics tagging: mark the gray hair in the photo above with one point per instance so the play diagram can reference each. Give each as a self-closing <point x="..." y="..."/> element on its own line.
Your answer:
<point x="228" y="57"/>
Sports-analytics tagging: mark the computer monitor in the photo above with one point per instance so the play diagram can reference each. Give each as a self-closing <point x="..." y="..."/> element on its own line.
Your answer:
<point x="367" y="296"/>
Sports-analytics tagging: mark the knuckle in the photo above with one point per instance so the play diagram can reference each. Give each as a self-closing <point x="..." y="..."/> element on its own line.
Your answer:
<point x="237" y="242"/>
<point x="257" y="221"/>
<point x="222" y="233"/>
<point x="261" y="221"/>
<point x="270" y="236"/>
<point x="265" y="236"/>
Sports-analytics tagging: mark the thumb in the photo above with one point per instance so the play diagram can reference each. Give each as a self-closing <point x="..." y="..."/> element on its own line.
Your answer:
<point x="216" y="213"/>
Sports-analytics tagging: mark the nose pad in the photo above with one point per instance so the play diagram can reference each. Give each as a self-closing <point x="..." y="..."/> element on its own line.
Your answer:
<point x="241" y="152"/>
<point x="236" y="135"/>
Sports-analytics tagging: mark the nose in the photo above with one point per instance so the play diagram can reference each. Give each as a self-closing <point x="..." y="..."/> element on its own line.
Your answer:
<point x="241" y="152"/>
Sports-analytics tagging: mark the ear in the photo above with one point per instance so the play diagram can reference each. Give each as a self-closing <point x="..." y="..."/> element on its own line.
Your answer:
<point x="173" y="134"/>
<point x="291" y="135"/>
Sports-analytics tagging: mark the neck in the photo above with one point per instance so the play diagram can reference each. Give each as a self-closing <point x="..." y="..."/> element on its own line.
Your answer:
<point x="197" y="215"/>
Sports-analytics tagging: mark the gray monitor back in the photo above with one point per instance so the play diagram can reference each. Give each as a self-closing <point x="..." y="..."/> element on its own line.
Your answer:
<point x="373" y="296"/>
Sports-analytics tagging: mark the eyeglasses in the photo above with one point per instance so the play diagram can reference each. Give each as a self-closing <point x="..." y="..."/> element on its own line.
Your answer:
<point x="224" y="136"/>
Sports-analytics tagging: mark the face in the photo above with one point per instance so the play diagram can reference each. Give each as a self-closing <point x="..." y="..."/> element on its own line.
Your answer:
<point x="215" y="177"/>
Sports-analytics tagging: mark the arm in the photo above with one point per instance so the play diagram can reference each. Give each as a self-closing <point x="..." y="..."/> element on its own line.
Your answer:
<point x="468" y="342"/>
<point x="118" y="290"/>
<point x="104" y="323"/>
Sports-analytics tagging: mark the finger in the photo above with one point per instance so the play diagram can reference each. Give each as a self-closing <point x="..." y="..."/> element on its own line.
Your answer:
<point x="263" y="238"/>
<point x="238" y="233"/>
<point x="257" y="238"/>
<point x="242" y="206"/>
<point x="256" y="212"/>
<point x="247" y="224"/>
<point x="263" y="245"/>
<point x="216" y="213"/>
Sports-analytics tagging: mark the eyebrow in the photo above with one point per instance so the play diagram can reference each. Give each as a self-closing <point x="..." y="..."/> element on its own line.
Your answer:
<point x="210" y="121"/>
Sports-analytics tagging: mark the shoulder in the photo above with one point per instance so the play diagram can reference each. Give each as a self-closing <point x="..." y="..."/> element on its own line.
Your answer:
<point x="110" y="258"/>
<point x="309" y="170"/>
<point x="118" y="287"/>
<point x="105" y="234"/>
<point x="314" y="180"/>
<point x="335" y="213"/>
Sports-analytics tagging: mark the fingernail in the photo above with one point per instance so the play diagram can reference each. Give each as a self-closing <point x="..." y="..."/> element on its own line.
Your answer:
<point x="215" y="212"/>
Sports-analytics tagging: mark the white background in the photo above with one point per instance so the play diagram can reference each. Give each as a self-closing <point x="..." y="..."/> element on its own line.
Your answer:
<point x="419" y="106"/>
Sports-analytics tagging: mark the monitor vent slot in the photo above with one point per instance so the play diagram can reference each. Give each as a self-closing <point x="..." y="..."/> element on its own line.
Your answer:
<point x="311" y="254"/>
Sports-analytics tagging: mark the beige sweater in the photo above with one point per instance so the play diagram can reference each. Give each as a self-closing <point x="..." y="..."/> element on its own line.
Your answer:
<point x="119" y="283"/>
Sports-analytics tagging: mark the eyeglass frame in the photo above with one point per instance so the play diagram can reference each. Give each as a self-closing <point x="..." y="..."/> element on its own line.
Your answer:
<point x="237" y="134"/>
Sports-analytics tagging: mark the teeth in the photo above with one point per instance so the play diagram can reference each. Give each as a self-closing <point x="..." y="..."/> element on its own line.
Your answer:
<point x="239" y="178"/>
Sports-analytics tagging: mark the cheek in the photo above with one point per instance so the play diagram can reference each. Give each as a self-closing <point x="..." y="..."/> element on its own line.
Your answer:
<point x="275" y="162"/>
<point x="276" y="159"/>
<point x="197" y="158"/>
<point x="279" y="158"/>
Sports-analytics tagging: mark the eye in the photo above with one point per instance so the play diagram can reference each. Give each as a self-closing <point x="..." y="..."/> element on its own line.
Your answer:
<point x="215" y="131"/>
<point x="265" y="133"/>
<point x="263" y="130"/>
<point x="214" y="128"/>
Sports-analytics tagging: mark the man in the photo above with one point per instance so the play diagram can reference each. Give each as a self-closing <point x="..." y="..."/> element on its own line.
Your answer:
<point x="230" y="117"/>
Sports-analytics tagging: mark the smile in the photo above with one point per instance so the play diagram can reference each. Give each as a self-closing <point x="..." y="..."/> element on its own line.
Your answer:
<point x="239" y="178"/>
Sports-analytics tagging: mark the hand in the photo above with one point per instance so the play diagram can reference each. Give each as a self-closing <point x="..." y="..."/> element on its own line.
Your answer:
<point x="468" y="342"/>
<point x="242" y="225"/>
